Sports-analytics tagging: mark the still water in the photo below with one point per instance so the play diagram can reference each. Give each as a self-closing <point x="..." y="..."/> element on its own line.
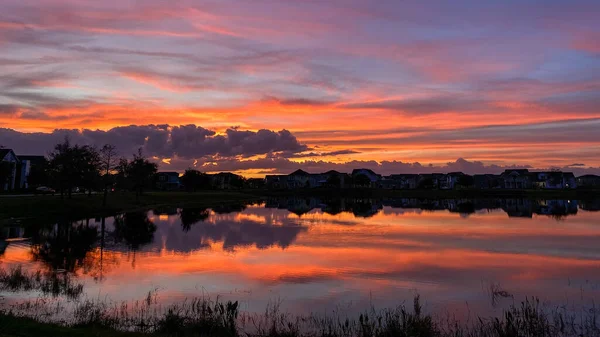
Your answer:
<point x="314" y="256"/>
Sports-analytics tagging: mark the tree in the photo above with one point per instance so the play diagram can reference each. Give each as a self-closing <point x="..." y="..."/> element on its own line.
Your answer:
<point x="38" y="174"/>
<point x="135" y="228"/>
<point x="90" y="168"/>
<point x="191" y="216"/>
<point x="139" y="172"/>
<point x="109" y="162"/>
<point x="194" y="180"/>
<point x="362" y="180"/>
<point x="71" y="166"/>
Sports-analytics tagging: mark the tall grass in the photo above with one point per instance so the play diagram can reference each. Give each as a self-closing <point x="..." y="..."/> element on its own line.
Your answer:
<point x="205" y="317"/>
<point x="53" y="283"/>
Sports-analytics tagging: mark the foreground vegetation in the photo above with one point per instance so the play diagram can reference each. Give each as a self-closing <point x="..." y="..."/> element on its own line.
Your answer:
<point x="203" y="317"/>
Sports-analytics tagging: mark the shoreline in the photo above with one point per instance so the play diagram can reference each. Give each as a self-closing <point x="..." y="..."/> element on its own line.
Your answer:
<point x="35" y="208"/>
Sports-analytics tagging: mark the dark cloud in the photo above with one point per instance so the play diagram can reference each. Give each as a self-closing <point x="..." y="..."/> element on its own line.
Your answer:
<point x="185" y="141"/>
<point x="8" y="109"/>
<point x="577" y="165"/>
<point x="323" y="154"/>
<point x="278" y="165"/>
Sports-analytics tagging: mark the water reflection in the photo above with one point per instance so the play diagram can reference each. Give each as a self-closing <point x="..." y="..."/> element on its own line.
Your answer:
<point x="324" y="253"/>
<point x="370" y="207"/>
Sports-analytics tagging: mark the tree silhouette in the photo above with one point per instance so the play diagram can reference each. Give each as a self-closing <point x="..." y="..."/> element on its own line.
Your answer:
<point x="138" y="173"/>
<point x="135" y="229"/>
<point x="67" y="247"/>
<point x="191" y="216"/>
<point x="71" y="166"/>
<point x="194" y="180"/>
<point x="108" y="164"/>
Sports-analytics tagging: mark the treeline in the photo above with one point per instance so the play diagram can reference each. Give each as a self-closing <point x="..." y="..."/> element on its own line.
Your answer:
<point x="71" y="168"/>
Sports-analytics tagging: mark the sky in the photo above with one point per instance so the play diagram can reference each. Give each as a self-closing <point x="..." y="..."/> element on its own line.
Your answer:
<point x="267" y="86"/>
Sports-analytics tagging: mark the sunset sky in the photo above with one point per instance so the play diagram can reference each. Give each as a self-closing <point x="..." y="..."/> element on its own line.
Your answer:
<point x="265" y="86"/>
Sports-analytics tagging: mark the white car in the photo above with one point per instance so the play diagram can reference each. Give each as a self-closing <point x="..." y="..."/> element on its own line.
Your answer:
<point x="44" y="190"/>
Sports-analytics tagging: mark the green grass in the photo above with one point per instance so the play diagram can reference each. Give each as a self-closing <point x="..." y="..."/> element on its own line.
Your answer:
<point x="49" y="207"/>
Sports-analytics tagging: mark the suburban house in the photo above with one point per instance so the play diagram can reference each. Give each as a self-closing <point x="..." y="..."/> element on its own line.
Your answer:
<point x="431" y="180"/>
<point x="588" y="181"/>
<point x="227" y="181"/>
<point x="298" y="179"/>
<point x="255" y="182"/>
<point x="400" y="181"/>
<point x="487" y="181"/>
<point x="553" y="180"/>
<point x="516" y="179"/>
<point x="333" y="177"/>
<point x="451" y="181"/>
<point x="373" y="177"/>
<point x="276" y="182"/>
<point x="8" y="170"/>
<point x="168" y="181"/>
<point x="27" y="164"/>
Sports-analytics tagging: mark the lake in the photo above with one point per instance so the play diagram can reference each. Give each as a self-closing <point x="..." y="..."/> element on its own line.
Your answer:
<point x="318" y="256"/>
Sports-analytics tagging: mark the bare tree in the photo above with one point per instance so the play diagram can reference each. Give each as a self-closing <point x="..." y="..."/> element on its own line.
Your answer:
<point x="109" y="161"/>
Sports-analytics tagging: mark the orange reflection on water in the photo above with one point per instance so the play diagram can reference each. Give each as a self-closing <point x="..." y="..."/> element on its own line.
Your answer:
<point x="324" y="258"/>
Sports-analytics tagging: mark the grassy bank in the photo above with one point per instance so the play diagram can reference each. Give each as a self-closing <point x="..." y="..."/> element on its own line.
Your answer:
<point x="11" y="326"/>
<point x="49" y="207"/>
<point x="201" y="317"/>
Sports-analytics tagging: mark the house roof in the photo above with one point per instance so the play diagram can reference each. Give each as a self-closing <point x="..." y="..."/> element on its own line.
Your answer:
<point x="299" y="172"/>
<point x="518" y="171"/>
<point x="5" y="152"/>
<point x="592" y="176"/>
<point x="332" y="172"/>
<point x="357" y="171"/>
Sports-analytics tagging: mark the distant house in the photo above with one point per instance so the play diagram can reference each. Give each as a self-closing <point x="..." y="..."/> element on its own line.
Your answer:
<point x="400" y="181"/>
<point x="168" y="181"/>
<point x="8" y="170"/>
<point x="451" y="181"/>
<point x="255" y="183"/>
<point x="553" y="180"/>
<point x="588" y="181"/>
<point x="298" y="179"/>
<point x="334" y="179"/>
<point x="373" y="177"/>
<point x="276" y="182"/>
<point x="27" y="164"/>
<point x="227" y="181"/>
<point x="487" y="181"/>
<point x="431" y="180"/>
<point x="516" y="179"/>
